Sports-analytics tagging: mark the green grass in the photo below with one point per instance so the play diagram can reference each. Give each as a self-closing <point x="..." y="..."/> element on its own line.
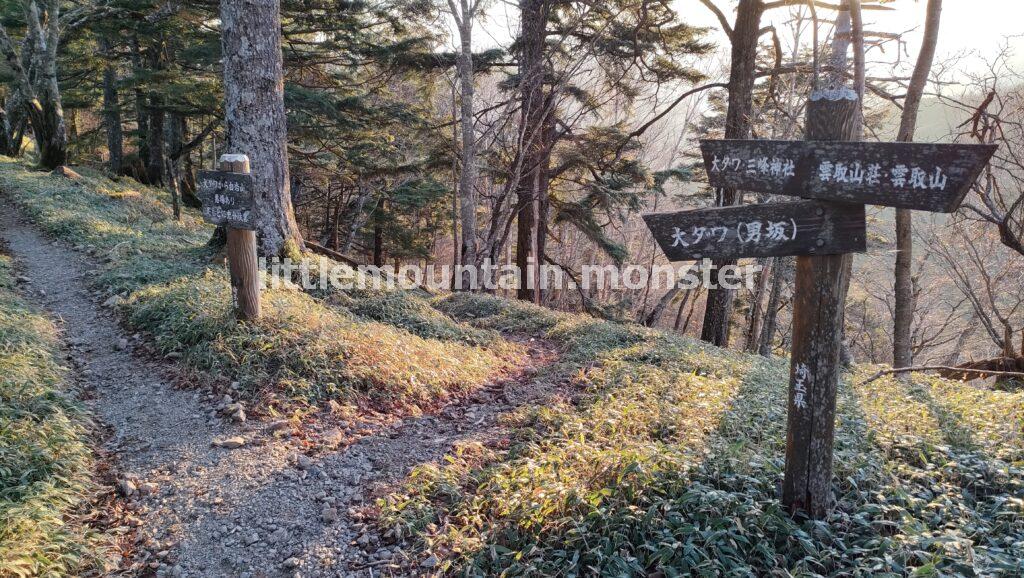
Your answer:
<point x="667" y="463"/>
<point x="372" y="349"/>
<point x="46" y="465"/>
<point x="671" y="462"/>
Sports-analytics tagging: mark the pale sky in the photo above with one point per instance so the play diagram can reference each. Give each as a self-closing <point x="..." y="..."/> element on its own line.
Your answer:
<point x="972" y="27"/>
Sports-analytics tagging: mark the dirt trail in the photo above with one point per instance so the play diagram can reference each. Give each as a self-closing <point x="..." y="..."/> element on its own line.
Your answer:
<point x="279" y="505"/>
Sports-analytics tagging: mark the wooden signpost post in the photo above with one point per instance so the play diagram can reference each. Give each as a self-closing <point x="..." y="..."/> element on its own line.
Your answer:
<point x="227" y="197"/>
<point x="842" y="176"/>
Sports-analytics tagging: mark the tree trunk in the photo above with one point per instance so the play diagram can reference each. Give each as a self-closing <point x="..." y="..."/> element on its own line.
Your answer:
<point x="771" y="314"/>
<point x="174" y="136"/>
<point x="651" y="319"/>
<point x="535" y="131"/>
<point x="903" y="355"/>
<point x="141" y="107"/>
<point x="679" y="313"/>
<point x="467" y="178"/>
<point x="47" y="111"/>
<point x="111" y="110"/>
<point x="378" y="245"/>
<point x="745" y="33"/>
<point x="156" y="122"/>
<point x="255" y="116"/>
<point x="757" y="307"/>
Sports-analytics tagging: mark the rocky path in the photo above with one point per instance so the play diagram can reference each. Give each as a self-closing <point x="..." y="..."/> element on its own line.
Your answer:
<point x="212" y="494"/>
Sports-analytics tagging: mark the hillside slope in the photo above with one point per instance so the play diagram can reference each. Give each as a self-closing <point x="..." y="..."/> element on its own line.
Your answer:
<point x="671" y="463"/>
<point x="663" y="458"/>
<point x="169" y="284"/>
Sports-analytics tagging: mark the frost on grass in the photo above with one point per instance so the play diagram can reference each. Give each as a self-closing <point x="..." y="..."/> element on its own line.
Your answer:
<point x="395" y="351"/>
<point x="671" y="462"/>
<point x="46" y="466"/>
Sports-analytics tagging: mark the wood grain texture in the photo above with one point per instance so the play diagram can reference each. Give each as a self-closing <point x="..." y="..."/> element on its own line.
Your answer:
<point x="254" y="113"/>
<point x="243" y="263"/>
<point x="819" y="298"/>
<point x="768" y="230"/>
<point x="870" y="173"/>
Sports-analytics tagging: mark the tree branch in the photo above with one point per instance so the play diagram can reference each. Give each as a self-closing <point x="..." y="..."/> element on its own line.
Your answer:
<point x="817" y="4"/>
<point x="721" y="17"/>
<point x="979" y="372"/>
<point x="643" y="128"/>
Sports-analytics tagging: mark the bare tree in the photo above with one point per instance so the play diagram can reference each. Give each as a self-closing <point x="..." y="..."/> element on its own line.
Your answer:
<point x="989" y="277"/>
<point x="903" y="355"/>
<point x="994" y="104"/>
<point x="465" y="13"/>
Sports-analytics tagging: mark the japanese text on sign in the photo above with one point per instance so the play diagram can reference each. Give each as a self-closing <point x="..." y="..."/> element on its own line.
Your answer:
<point x="746" y="232"/>
<point x="833" y="171"/>
<point x="801" y="379"/>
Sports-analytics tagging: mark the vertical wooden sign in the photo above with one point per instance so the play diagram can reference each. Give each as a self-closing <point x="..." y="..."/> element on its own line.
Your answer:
<point x="227" y="200"/>
<point x="819" y="296"/>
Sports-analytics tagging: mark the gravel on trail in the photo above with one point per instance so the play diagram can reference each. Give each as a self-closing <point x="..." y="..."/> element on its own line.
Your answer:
<point x="217" y="493"/>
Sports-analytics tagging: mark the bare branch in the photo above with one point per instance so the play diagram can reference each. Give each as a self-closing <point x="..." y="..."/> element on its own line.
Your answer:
<point x="721" y="17"/>
<point x="979" y="372"/>
<point x="817" y="4"/>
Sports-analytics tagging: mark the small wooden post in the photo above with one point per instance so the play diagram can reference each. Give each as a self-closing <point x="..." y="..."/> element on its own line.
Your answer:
<point x="241" y="250"/>
<point x="818" y="300"/>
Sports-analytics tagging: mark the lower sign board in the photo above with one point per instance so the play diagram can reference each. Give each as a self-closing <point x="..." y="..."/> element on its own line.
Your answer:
<point x="768" y="230"/>
<point x="929" y="177"/>
<point x="227" y="198"/>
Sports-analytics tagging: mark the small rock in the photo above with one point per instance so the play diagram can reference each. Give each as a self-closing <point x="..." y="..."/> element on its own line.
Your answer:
<point x="230" y="443"/>
<point x="303" y="462"/>
<point x="292" y="562"/>
<point x="279" y="536"/>
<point x="127" y="488"/>
<point x="329" y="515"/>
<point x="239" y="415"/>
<point x="148" y="488"/>
<point x="252" y="539"/>
<point x="66" y="172"/>
<point x="333" y="406"/>
<point x="279" y="425"/>
<point x="122" y="344"/>
<point x="113" y="301"/>
<point x="173" y="356"/>
<point x="333" y="438"/>
<point x="429" y="562"/>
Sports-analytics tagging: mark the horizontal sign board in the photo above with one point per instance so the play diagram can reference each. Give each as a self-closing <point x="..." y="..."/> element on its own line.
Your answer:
<point x="768" y="230"/>
<point x="227" y="198"/>
<point x="928" y="177"/>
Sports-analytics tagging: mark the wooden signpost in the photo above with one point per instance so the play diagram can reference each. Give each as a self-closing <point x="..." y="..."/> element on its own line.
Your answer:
<point x="843" y="176"/>
<point x="769" y="230"/>
<point x="227" y="197"/>
<point x="928" y="177"/>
